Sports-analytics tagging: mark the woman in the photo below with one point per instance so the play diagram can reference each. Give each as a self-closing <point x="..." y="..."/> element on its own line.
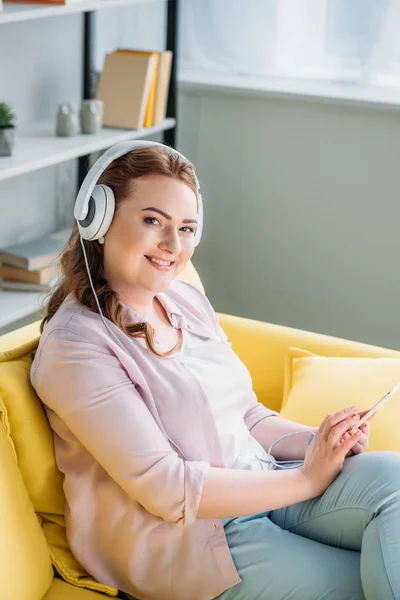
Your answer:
<point x="161" y="439"/>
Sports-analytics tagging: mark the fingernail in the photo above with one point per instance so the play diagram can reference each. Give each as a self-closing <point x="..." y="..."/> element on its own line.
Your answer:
<point x="353" y="407"/>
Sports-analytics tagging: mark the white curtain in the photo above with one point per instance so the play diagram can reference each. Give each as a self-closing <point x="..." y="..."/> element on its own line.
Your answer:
<point x="230" y="36"/>
<point x="357" y="41"/>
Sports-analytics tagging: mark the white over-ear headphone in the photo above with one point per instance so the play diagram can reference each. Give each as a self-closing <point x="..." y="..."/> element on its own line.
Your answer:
<point x="95" y="204"/>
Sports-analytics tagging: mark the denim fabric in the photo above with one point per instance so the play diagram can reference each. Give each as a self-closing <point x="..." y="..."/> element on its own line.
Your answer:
<point x="343" y="545"/>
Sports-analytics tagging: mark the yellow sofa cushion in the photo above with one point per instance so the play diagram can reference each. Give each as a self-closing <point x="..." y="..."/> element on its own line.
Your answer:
<point x="31" y="436"/>
<point x="317" y="385"/>
<point x="60" y="590"/>
<point x="31" y="440"/>
<point x="190" y="275"/>
<point x="25" y="566"/>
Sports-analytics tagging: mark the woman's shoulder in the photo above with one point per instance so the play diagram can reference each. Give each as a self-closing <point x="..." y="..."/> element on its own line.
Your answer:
<point x="73" y="333"/>
<point x="72" y="320"/>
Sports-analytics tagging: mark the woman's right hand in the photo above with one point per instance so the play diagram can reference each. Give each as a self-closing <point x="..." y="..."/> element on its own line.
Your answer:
<point x="325" y="455"/>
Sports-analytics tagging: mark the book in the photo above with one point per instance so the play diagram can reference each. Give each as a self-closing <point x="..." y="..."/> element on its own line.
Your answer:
<point x="162" y="90"/>
<point x="124" y="86"/>
<point x="149" y="116"/>
<point x="42" y="276"/>
<point x="37" y="253"/>
<point x="158" y="96"/>
<point x="21" y="286"/>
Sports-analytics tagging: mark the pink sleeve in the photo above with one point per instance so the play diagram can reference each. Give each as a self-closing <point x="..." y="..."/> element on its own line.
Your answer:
<point x="256" y="412"/>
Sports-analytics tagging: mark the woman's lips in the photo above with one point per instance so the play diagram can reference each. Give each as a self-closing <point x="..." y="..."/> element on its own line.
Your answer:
<point x="160" y="267"/>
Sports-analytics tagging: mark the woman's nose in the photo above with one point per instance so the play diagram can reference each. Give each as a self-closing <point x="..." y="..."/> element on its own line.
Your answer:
<point x="171" y="242"/>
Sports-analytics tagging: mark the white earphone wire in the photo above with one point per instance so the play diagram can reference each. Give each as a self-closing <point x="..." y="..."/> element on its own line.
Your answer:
<point x="80" y="212"/>
<point x="280" y="463"/>
<point x="108" y="327"/>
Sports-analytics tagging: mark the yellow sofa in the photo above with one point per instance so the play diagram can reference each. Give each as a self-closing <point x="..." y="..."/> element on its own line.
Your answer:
<point x="34" y="557"/>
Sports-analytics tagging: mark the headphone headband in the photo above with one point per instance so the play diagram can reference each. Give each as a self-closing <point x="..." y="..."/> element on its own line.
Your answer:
<point x="91" y="178"/>
<point x="95" y="204"/>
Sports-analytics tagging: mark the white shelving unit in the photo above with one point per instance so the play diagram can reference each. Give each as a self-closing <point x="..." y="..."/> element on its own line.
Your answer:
<point x="26" y="12"/>
<point x="16" y="305"/>
<point x="38" y="147"/>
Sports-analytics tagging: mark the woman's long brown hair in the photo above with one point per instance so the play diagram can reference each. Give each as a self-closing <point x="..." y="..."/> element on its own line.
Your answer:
<point x="120" y="176"/>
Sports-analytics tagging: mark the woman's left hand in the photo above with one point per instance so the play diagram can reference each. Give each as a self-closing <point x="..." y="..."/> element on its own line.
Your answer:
<point x="362" y="443"/>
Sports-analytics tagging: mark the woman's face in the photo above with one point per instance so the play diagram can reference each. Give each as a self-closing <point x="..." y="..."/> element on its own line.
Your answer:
<point x="157" y="221"/>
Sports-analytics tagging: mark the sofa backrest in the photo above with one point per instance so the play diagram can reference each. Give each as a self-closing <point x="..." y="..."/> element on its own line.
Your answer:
<point x="25" y="565"/>
<point x="30" y="436"/>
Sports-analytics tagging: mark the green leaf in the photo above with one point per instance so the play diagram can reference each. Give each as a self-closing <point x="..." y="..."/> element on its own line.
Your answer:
<point x="7" y="117"/>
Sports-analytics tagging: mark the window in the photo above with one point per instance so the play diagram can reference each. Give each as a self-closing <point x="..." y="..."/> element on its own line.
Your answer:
<point x="352" y="41"/>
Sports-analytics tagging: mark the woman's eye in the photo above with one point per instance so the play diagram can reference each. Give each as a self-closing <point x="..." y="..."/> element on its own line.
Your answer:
<point x="147" y="219"/>
<point x="150" y="220"/>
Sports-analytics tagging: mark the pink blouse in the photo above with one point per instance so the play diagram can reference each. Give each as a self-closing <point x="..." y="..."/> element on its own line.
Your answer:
<point x="135" y="436"/>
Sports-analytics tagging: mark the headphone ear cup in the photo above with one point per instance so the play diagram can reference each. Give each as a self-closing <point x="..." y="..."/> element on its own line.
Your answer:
<point x="199" y="229"/>
<point x="100" y="214"/>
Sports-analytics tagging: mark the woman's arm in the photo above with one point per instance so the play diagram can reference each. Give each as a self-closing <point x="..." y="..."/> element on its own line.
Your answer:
<point x="86" y="387"/>
<point x="236" y="493"/>
<point x="271" y="429"/>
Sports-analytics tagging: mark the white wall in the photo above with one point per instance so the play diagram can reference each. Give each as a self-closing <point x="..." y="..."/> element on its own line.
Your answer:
<point x="39" y="68"/>
<point x="302" y="210"/>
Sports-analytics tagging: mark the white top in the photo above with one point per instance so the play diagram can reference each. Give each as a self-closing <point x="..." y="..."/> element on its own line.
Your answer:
<point x="207" y="361"/>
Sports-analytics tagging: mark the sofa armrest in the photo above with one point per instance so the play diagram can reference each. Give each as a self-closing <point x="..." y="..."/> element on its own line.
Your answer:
<point x="263" y="346"/>
<point x="18" y="342"/>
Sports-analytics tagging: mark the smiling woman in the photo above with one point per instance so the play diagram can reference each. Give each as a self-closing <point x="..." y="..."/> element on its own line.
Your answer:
<point x="170" y="488"/>
<point x="149" y="243"/>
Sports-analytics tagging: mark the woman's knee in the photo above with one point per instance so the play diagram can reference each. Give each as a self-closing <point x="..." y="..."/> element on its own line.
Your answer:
<point x="373" y="473"/>
<point x="380" y="464"/>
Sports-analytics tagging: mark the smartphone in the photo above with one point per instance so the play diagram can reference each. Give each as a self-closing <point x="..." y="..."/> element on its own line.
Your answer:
<point x="378" y="404"/>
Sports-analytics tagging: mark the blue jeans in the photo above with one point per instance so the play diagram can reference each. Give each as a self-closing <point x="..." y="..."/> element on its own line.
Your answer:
<point x="343" y="545"/>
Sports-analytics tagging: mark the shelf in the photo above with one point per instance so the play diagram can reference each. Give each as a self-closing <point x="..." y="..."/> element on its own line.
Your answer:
<point x="37" y="146"/>
<point x="16" y="305"/>
<point x="26" y="12"/>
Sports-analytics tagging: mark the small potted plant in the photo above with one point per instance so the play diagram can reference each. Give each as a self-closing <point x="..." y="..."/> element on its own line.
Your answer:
<point x="7" y="129"/>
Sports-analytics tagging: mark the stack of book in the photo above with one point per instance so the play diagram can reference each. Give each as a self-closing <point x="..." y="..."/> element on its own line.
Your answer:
<point x="33" y="266"/>
<point x="134" y="86"/>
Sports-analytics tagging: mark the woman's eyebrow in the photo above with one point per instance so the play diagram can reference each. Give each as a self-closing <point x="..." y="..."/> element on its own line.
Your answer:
<point x="164" y="214"/>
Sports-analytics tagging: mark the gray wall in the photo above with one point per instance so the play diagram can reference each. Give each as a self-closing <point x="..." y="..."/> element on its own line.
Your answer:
<point x="302" y="210"/>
